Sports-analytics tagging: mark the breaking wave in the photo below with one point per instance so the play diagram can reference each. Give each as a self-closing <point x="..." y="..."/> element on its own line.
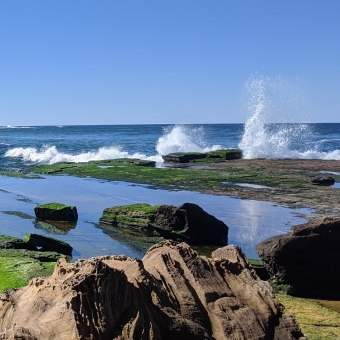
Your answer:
<point x="174" y="139"/>
<point x="184" y="139"/>
<point x="272" y="100"/>
<point x="51" y="155"/>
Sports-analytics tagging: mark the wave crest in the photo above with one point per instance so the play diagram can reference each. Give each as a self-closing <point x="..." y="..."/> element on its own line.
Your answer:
<point x="183" y="139"/>
<point x="51" y="155"/>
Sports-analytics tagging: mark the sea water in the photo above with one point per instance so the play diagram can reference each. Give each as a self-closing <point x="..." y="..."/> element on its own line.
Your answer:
<point x="22" y="147"/>
<point x="250" y="221"/>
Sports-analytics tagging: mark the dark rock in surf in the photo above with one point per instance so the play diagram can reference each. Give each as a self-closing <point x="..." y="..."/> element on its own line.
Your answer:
<point x="56" y="212"/>
<point x="308" y="258"/>
<point x="325" y="180"/>
<point x="186" y="157"/>
<point x="183" y="157"/>
<point x="228" y="154"/>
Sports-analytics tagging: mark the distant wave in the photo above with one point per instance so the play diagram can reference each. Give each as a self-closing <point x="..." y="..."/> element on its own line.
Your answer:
<point x="51" y="155"/>
<point x="16" y="127"/>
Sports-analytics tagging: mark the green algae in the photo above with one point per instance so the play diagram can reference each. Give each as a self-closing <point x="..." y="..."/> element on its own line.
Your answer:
<point x="19" y="214"/>
<point x="20" y="262"/>
<point x="53" y="206"/>
<point x="190" y="178"/>
<point x="135" y="215"/>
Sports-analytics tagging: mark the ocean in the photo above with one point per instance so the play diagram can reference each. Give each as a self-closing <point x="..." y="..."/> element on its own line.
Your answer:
<point x="249" y="221"/>
<point x="25" y="146"/>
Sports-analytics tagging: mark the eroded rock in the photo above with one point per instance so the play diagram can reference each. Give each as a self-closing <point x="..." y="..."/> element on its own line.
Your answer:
<point x="172" y="293"/>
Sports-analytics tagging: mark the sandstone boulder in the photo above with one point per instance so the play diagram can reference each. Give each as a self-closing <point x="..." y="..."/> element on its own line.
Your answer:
<point x="56" y="212"/>
<point x="308" y="258"/>
<point x="172" y="293"/>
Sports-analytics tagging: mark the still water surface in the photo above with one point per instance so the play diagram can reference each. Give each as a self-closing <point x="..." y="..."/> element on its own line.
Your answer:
<point x="249" y="221"/>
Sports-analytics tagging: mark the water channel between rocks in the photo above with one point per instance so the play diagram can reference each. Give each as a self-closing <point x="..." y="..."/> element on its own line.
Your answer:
<point x="249" y="221"/>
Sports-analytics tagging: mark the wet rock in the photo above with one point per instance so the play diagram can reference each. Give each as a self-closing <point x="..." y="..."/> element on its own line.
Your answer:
<point x="56" y="212"/>
<point x="48" y="243"/>
<point x="183" y="157"/>
<point x="228" y="154"/>
<point x="189" y="222"/>
<point x="307" y="258"/>
<point x="9" y="242"/>
<point x="186" y="157"/>
<point x="323" y="180"/>
<point x="172" y="293"/>
<point x="192" y="222"/>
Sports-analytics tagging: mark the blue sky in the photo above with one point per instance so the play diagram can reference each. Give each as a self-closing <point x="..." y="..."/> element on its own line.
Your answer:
<point x="178" y="61"/>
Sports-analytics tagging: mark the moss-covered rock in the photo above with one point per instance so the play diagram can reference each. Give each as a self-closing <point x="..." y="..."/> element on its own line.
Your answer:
<point x="225" y="154"/>
<point x="56" y="212"/>
<point x="186" y="157"/>
<point x="48" y="243"/>
<point x="134" y="215"/>
<point x="183" y="157"/>
<point x="9" y="242"/>
<point x="189" y="222"/>
<point x="21" y="261"/>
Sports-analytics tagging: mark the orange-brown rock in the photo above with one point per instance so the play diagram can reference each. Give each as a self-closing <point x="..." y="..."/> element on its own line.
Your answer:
<point x="172" y="293"/>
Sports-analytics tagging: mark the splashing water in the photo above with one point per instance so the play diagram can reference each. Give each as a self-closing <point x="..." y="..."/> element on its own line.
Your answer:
<point x="183" y="139"/>
<point x="269" y="132"/>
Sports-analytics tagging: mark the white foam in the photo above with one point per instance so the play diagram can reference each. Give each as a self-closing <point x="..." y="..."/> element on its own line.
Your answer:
<point x="183" y="139"/>
<point x="51" y="155"/>
<point x="258" y="140"/>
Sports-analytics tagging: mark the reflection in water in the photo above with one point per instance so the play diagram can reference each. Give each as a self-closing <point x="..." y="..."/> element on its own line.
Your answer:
<point x="55" y="227"/>
<point x="249" y="221"/>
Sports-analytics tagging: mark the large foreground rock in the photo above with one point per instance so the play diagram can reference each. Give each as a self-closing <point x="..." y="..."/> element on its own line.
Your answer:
<point x="308" y="258"/>
<point x="171" y="294"/>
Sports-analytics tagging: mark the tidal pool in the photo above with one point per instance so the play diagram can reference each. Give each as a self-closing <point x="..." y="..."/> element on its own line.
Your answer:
<point x="249" y="221"/>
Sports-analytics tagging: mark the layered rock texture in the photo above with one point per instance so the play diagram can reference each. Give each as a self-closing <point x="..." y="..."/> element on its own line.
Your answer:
<point x="188" y="222"/>
<point x="308" y="258"/>
<point x="172" y="293"/>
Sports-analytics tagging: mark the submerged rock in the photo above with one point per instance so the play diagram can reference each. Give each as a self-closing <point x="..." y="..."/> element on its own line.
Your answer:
<point x="172" y="293"/>
<point x="189" y="222"/>
<point x="307" y="258"/>
<point x="56" y="212"/>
